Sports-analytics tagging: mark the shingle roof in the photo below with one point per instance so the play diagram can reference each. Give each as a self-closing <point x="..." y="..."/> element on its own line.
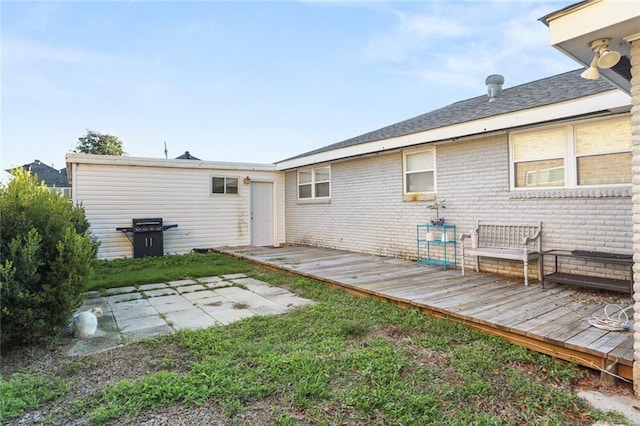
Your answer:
<point x="47" y="174"/>
<point x="559" y="88"/>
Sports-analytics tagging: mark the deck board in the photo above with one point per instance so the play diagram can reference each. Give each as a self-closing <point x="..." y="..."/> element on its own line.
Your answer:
<point x="553" y="320"/>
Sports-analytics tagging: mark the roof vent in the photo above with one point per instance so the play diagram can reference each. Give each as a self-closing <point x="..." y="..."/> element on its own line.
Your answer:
<point x="494" y="86"/>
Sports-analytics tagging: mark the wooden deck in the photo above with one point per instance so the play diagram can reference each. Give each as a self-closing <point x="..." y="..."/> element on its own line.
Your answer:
<point x="551" y="320"/>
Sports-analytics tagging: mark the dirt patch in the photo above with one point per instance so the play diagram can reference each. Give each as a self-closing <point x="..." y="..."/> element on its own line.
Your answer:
<point x="89" y="374"/>
<point x="599" y="297"/>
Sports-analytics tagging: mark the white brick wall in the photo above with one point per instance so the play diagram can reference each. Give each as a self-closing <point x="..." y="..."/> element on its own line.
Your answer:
<point x="635" y="139"/>
<point x="367" y="212"/>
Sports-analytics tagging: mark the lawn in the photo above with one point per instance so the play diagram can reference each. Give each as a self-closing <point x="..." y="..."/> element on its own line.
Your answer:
<point x="344" y="360"/>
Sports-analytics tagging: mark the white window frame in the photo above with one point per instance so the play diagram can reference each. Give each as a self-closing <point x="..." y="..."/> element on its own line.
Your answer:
<point x="313" y="183"/>
<point x="432" y="150"/>
<point x="225" y="193"/>
<point x="570" y="157"/>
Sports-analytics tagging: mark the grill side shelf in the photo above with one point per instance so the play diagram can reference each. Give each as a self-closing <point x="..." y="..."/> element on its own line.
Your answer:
<point x="126" y="230"/>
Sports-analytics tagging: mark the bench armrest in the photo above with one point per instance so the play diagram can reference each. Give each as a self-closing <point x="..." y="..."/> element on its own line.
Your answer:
<point x="527" y="240"/>
<point x="464" y="236"/>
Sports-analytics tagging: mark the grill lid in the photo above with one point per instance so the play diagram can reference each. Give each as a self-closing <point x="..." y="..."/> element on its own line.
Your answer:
<point x="146" y="225"/>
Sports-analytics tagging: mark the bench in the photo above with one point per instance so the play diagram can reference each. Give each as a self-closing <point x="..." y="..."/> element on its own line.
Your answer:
<point x="510" y="241"/>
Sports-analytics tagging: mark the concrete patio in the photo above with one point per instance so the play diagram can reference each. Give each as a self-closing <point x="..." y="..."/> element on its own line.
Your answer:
<point x="139" y="312"/>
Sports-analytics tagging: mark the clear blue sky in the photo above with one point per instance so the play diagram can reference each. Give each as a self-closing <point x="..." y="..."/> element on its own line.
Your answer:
<point x="250" y="81"/>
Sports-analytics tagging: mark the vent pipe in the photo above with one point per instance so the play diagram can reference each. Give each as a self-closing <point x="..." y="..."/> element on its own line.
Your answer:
<point x="494" y="86"/>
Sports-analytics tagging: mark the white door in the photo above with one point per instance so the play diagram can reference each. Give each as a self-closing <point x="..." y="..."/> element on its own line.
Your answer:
<point x="261" y="213"/>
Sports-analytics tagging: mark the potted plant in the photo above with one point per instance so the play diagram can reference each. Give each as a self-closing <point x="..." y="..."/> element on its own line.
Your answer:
<point x="437" y="206"/>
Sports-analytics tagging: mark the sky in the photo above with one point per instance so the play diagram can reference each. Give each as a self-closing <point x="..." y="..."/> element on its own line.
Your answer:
<point x="250" y="81"/>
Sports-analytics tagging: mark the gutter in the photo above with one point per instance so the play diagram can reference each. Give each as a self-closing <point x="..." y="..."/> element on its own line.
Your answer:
<point x="613" y="101"/>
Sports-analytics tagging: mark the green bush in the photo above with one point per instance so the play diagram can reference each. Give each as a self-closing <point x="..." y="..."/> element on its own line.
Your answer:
<point x="46" y="259"/>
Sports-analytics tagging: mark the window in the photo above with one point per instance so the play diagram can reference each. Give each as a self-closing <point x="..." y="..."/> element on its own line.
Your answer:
<point x="419" y="171"/>
<point x="546" y="177"/>
<point x="596" y="152"/>
<point x="603" y="152"/>
<point x="224" y="185"/>
<point x="314" y="183"/>
<point x="539" y="158"/>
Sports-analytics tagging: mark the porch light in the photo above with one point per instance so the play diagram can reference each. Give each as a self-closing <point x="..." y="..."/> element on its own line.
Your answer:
<point x="603" y="58"/>
<point x="592" y="72"/>
<point x="608" y="57"/>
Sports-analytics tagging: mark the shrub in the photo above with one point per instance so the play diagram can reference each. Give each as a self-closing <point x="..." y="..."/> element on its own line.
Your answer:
<point x="46" y="259"/>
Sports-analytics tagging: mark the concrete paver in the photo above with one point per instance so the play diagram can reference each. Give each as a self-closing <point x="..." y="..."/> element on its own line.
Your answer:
<point x="624" y="405"/>
<point x="120" y="290"/>
<point x="290" y="300"/>
<point x="198" y="295"/>
<point x="147" y="333"/>
<point x="233" y="276"/>
<point x="227" y="314"/>
<point x="138" y="312"/>
<point x="155" y="286"/>
<point x="181" y="283"/>
<point x="219" y="284"/>
<point x="140" y="323"/>
<point x="213" y="301"/>
<point x="172" y="303"/>
<point x="190" y="288"/>
<point x="95" y="344"/>
<point x="95" y="302"/>
<point x="235" y="293"/>
<point x="259" y="287"/>
<point x="106" y="324"/>
<point x="125" y="297"/>
<point x="91" y="294"/>
<point x="160" y="292"/>
<point x="190" y="319"/>
<point x="273" y="309"/>
<point x="128" y="305"/>
<point x="210" y="280"/>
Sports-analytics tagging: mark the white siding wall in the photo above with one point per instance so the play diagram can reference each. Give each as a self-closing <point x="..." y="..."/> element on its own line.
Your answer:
<point x="367" y="212"/>
<point x="112" y="195"/>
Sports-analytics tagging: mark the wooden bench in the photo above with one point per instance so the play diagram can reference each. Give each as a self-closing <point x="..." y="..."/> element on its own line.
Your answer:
<point x="510" y="241"/>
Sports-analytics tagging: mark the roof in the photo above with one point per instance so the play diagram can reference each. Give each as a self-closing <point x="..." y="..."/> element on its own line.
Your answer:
<point x="187" y="156"/>
<point x="47" y="174"/>
<point x="121" y="160"/>
<point x="552" y="90"/>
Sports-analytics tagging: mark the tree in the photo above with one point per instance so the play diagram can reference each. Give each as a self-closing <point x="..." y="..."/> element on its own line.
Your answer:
<point x="101" y="144"/>
<point x="46" y="258"/>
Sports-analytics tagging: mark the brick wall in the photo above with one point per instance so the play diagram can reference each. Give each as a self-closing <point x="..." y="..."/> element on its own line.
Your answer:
<point x="367" y="212"/>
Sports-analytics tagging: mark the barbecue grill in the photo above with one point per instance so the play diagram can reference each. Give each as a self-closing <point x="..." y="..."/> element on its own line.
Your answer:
<point x="146" y="235"/>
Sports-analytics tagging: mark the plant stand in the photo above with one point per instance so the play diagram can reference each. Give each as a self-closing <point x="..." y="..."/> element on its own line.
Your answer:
<point x="436" y="245"/>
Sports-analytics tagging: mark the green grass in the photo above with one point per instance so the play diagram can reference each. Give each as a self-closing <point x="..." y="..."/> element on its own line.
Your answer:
<point x="22" y="392"/>
<point x="147" y="270"/>
<point x="344" y="360"/>
<point x="348" y="360"/>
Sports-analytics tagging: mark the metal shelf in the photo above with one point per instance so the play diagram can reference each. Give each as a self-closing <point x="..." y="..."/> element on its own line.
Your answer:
<point x="596" y="282"/>
<point x="433" y="245"/>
